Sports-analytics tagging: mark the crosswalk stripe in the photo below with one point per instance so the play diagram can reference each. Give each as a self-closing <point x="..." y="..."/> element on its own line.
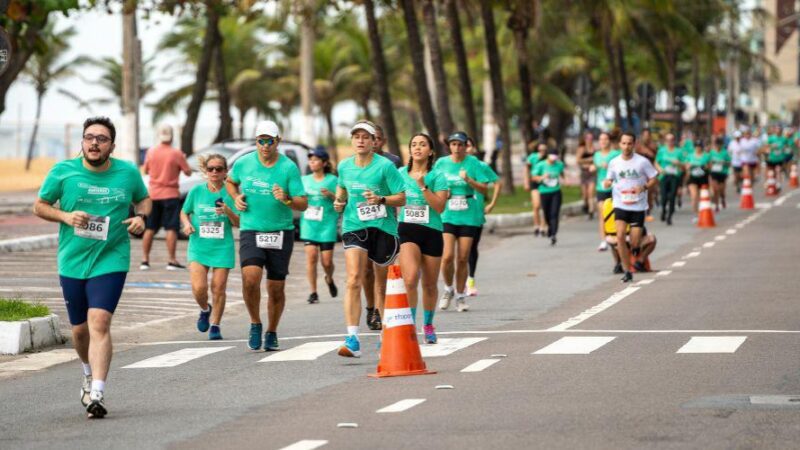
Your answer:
<point x="305" y="444"/>
<point x="480" y="365"/>
<point x="402" y="405"/>
<point x="39" y="361"/>
<point x="306" y="352"/>
<point x="175" y="358"/>
<point x="712" y="344"/>
<point x="445" y="347"/>
<point x="575" y="345"/>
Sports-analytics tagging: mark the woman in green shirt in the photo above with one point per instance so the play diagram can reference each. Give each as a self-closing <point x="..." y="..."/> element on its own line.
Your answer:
<point x="697" y="170"/>
<point x="208" y="219"/>
<point x="319" y="222"/>
<point x="720" y="166"/>
<point x="420" y="229"/>
<point x="536" y="200"/>
<point x="669" y="162"/>
<point x="548" y="174"/>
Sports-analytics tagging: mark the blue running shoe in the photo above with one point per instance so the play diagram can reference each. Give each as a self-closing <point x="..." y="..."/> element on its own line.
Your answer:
<point x="430" y="334"/>
<point x="351" y="347"/>
<point x="255" y="337"/>
<point x="271" y="342"/>
<point x="214" y="333"/>
<point x="202" y="321"/>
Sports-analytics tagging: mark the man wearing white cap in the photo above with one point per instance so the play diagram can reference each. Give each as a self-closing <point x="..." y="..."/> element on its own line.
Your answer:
<point x="266" y="187"/>
<point x="735" y="150"/>
<point x="164" y="163"/>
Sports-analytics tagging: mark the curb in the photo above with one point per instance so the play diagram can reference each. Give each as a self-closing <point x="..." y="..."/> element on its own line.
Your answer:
<point x="498" y="221"/>
<point x="27" y="335"/>
<point x="29" y="243"/>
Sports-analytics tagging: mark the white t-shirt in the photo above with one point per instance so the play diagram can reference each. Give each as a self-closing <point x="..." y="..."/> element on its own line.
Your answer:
<point x="626" y="176"/>
<point x="735" y="150"/>
<point x="750" y="149"/>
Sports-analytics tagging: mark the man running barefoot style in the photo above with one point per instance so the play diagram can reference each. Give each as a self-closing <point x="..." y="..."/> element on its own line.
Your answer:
<point x="266" y="187"/>
<point x="94" y="192"/>
<point x="629" y="176"/>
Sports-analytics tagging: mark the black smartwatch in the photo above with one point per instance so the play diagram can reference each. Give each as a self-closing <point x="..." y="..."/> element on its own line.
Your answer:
<point x="383" y="200"/>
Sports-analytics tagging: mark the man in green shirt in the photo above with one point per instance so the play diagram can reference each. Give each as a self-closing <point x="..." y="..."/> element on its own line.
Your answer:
<point x="94" y="192"/>
<point x="266" y="187"/>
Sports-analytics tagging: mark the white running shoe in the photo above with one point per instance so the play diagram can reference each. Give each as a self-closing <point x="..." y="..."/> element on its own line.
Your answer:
<point x="97" y="407"/>
<point x="144" y="265"/>
<point x="603" y="246"/>
<point x="86" y="389"/>
<point x="461" y="303"/>
<point x="447" y="297"/>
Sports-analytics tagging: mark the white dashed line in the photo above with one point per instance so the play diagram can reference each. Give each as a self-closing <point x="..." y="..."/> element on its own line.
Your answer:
<point x="645" y="282"/>
<point x="306" y="444"/>
<point x="730" y="231"/>
<point x="577" y="345"/>
<point x="679" y="264"/>
<point x="709" y="244"/>
<point x="692" y="255"/>
<point x="663" y="273"/>
<point x="480" y="365"/>
<point x="604" y="305"/>
<point x="721" y="237"/>
<point x="402" y="405"/>
<point x="712" y="344"/>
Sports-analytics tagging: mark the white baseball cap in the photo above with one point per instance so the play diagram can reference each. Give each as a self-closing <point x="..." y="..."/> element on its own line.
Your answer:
<point x="268" y="128"/>
<point x="363" y="126"/>
<point x="164" y="133"/>
<point x="737" y="134"/>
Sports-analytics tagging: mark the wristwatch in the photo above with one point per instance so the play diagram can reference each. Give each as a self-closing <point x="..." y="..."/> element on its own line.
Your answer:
<point x="424" y="188"/>
<point x="288" y="201"/>
<point x="383" y="201"/>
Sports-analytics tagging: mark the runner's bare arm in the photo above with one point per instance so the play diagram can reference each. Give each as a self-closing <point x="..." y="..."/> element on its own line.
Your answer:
<point x="298" y="203"/>
<point x="341" y="199"/>
<point x="527" y="176"/>
<point x="398" y="199"/>
<point x="498" y="185"/>
<point x="136" y="223"/>
<point x="188" y="228"/>
<point x="483" y="188"/>
<point x="238" y="198"/>
<point x="50" y="213"/>
<point x="232" y="216"/>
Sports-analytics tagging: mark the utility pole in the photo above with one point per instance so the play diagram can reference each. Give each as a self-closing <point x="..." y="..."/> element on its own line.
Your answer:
<point x="305" y="13"/>
<point x="731" y="81"/>
<point x="128" y="147"/>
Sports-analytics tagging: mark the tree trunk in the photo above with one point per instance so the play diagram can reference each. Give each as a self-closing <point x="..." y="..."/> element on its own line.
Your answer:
<point x="437" y="62"/>
<point x="381" y="79"/>
<point x="201" y="79"/>
<point x="128" y="144"/>
<point x="331" y="135"/>
<point x="626" y="88"/>
<point x="519" y="22"/>
<point x="710" y="108"/>
<point x="225" y="131"/>
<point x="496" y="75"/>
<point x="32" y="144"/>
<point x="242" y="114"/>
<point x="605" y="28"/>
<point x="307" y="37"/>
<point x="23" y="41"/>
<point x="418" y="62"/>
<point x="696" y="93"/>
<point x="464" y="84"/>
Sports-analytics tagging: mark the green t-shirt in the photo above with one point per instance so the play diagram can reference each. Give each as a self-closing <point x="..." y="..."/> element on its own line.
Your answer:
<point x="698" y="164"/>
<point x="463" y="207"/>
<point x="601" y="161"/>
<point x="670" y="160"/>
<point x="421" y="212"/>
<point x="320" y="221"/>
<point x="211" y="244"/>
<point x="533" y="159"/>
<point x="104" y="246"/>
<point x="776" y="146"/>
<point x="720" y="161"/>
<point x="382" y="178"/>
<point x="264" y="213"/>
<point x="552" y="176"/>
<point x="492" y="177"/>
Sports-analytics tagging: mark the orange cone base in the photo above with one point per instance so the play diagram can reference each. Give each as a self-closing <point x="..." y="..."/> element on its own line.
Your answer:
<point x="747" y="204"/>
<point x="401" y="373"/>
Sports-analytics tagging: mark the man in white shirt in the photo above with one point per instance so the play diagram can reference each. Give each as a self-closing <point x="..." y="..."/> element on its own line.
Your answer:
<point x="750" y="148"/>
<point x="629" y="175"/>
<point x="735" y="150"/>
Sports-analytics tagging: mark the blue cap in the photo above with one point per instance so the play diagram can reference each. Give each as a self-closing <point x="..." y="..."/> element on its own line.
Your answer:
<point x="320" y="152"/>
<point x="458" y="136"/>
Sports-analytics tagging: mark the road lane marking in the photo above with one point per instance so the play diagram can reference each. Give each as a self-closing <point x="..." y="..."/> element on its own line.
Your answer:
<point x="306" y="352"/>
<point x="721" y="237"/>
<point x="574" y="345"/>
<point x="691" y="255"/>
<point x="175" y="358"/>
<point x="679" y="264"/>
<point x="402" y="405"/>
<point x="709" y="244"/>
<point x="347" y="425"/>
<point x="480" y="365"/>
<point x="645" y="282"/>
<point x="447" y="346"/>
<point x="730" y="231"/>
<point x="602" y="306"/>
<point x="712" y="344"/>
<point x="39" y="361"/>
<point x="663" y="273"/>
<point x="780" y="201"/>
<point x="739" y="226"/>
<point x="305" y="444"/>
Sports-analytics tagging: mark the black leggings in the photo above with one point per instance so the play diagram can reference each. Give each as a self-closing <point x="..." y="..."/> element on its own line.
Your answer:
<point x="473" y="253"/>
<point x="551" y="206"/>
<point x="669" y="189"/>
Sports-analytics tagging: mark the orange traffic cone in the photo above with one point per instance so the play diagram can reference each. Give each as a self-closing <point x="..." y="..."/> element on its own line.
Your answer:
<point x="705" y="215"/>
<point x="646" y="264"/>
<point x="772" y="184"/>
<point x="793" y="181"/>
<point x="400" y="354"/>
<point x="746" y="201"/>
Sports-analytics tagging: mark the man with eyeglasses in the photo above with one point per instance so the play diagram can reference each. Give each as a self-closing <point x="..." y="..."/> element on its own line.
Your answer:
<point x="266" y="186"/>
<point x="94" y="192"/>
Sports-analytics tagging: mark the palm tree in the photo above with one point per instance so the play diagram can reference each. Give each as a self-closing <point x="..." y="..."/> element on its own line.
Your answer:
<point x="437" y="63"/>
<point x="111" y="80"/>
<point x="462" y="66"/>
<point x="520" y="21"/>
<point x="46" y="67"/>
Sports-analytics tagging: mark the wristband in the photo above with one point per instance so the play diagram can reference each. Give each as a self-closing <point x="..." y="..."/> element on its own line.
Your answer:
<point x="143" y="216"/>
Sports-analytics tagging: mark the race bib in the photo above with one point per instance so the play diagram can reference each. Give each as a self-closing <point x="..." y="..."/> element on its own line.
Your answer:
<point x="370" y="212"/>
<point x="629" y="197"/>
<point x="716" y="167"/>
<point x="270" y="241"/>
<point x="212" y="230"/>
<point x="671" y="170"/>
<point x="417" y="214"/>
<point x="313" y="213"/>
<point x="96" y="229"/>
<point x="551" y="182"/>
<point x="458" y="203"/>
<point x="698" y="171"/>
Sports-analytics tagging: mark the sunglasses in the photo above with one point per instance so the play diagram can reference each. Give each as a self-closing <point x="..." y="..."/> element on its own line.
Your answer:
<point x="215" y="169"/>
<point x="267" y="141"/>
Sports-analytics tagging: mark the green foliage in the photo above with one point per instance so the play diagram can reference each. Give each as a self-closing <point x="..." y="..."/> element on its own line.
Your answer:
<point x="15" y="309"/>
<point x="521" y="200"/>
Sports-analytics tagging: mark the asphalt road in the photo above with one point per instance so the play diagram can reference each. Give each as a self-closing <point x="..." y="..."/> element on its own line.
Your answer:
<point x="559" y="354"/>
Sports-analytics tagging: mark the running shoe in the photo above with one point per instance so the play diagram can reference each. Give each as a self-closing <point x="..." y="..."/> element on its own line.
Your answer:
<point x="175" y="266"/>
<point x="553" y="241"/>
<point x="351" y="347"/>
<point x="536" y="232"/>
<point x="461" y="304"/>
<point x="214" y="334"/>
<point x="254" y="343"/>
<point x="628" y="277"/>
<point x="144" y="265"/>
<point x="603" y="246"/>
<point x="313" y="298"/>
<point x="86" y="389"/>
<point x="430" y="334"/>
<point x="271" y="342"/>
<point x="471" y="290"/>
<point x="202" y="321"/>
<point x="96" y="409"/>
<point x="447" y="297"/>
<point x="373" y="319"/>
<point x="663" y="215"/>
<point x="618" y="268"/>
<point x="639" y="266"/>
<point x="334" y="291"/>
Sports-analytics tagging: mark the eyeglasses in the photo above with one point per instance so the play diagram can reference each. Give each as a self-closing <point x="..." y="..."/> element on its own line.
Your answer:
<point x="88" y="138"/>
<point x="215" y="169"/>
<point x="267" y="141"/>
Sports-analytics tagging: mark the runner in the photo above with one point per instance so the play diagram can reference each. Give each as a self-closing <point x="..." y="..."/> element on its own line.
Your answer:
<point x="773" y="152"/>
<point x="208" y="219"/>
<point x="536" y="199"/>
<point x="420" y="230"/>
<point x="789" y="149"/>
<point x="266" y="187"/>
<point x="687" y="148"/>
<point x="370" y="189"/>
<point x="462" y="217"/>
<point x="320" y="222"/>
<point x="484" y="209"/>
<point x="585" y="157"/>
<point x="697" y="170"/>
<point x="599" y="166"/>
<point x="94" y="192"/>
<point x="750" y="155"/>
<point x="735" y="151"/>
<point x="669" y="163"/>
<point x="630" y="176"/>
<point x="647" y="148"/>
<point x="548" y="174"/>
<point x="720" y="168"/>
